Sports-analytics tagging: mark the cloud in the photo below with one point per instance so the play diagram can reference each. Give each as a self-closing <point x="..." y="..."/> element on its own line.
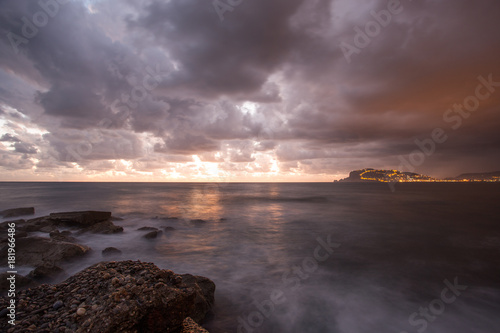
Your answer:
<point x="9" y="138"/>
<point x="231" y="58"/>
<point x="155" y="83"/>
<point x="24" y="148"/>
<point x="11" y="162"/>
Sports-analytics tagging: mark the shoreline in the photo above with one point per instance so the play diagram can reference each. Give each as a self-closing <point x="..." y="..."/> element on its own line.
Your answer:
<point x="121" y="284"/>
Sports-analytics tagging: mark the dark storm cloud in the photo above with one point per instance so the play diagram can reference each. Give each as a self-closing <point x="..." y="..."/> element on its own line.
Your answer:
<point x="77" y="146"/>
<point x="188" y="144"/>
<point x="10" y="162"/>
<point x="172" y="71"/>
<point x="235" y="56"/>
<point x="24" y="148"/>
<point x="399" y="87"/>
<point x="9" y="138"/>
<point x="70" y="56"/>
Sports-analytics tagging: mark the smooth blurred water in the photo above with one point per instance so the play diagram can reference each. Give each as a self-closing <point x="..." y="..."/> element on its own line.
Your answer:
<point x="259" y="242"/>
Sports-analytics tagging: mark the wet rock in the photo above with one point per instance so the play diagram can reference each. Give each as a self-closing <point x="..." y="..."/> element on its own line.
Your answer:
<point x="37" y="224"/>
<point x="46" y="273"/>
<point x="4" y="231"/>
<point x="106" y="227"/>
<point x="198" y="221"/>
<point x="190" y="326"/>
<point x="48" y="228"/>
<point x="62" y="236"/>
<point x="110" y="251"/>
<point x="168" y="228"/>
<point x="21" y="282"/>
<point x="152" y="234"/>
<point x="84" y="218"/>
<point x="14" y="212"/>
<point x="147" y="229"/>
<point x="21" y="234"/>
<point x="205" y="290"/>
<point x="173" y="218"/>
<point x="5" y="225"/>
<point x="40" y="251"/>
<point x="87" y="302"/>
<point x="57" y="305"/>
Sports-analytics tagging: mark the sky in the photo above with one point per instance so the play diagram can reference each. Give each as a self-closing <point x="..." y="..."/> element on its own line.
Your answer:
<point x="247" y="90"/>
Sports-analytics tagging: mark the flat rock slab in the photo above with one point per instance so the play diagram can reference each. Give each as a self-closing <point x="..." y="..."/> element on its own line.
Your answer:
<point x="17" y="212"/>
<point x="40" y="251"/>
<point x="126" y="296"/>
<point x="84" y="218"/>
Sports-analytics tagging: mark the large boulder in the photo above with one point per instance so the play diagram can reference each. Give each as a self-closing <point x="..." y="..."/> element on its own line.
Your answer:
<point x="39" y="251"/>
<point x="83" y="219"/>
<point x="127" y="296"/>
<point x="14" y="212"/>
<point x="204" y="299"/>
<point x="46" y="273"/>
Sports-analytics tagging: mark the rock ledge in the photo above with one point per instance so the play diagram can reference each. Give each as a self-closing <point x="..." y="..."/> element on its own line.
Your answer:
<point x="125" y="296"/>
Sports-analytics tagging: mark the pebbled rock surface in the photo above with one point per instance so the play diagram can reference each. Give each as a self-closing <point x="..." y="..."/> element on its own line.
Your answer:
<point x="126" y="296"/>
<point x="190" y="326"/>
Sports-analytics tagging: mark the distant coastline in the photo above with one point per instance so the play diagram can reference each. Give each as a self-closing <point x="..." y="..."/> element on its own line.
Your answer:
<point x="389" y="176"/>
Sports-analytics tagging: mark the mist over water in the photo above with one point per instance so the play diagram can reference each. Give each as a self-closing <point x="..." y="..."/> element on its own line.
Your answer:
<point x="261" y="243"/>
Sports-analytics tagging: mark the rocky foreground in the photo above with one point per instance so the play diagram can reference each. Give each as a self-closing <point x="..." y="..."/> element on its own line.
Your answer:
<point x="126" y="296"/>
<point x="60" y="245"/>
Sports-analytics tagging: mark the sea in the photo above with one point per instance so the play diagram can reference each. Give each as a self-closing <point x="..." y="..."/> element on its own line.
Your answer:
<point x="306" y="257"/>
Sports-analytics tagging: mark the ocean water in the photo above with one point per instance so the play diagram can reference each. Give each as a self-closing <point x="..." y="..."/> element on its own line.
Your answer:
<point x="308" y="257"/>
